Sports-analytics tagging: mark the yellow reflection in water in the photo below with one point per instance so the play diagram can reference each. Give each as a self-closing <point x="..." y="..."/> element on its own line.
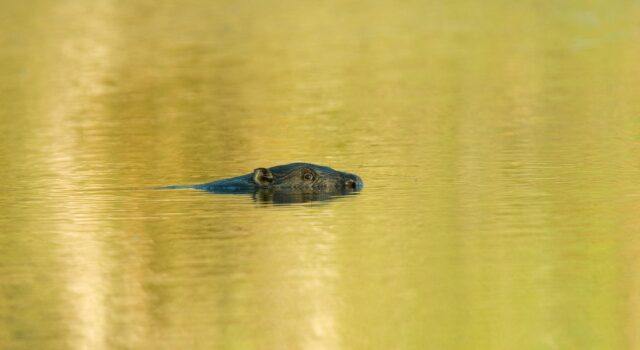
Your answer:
<point x="498" y="143"/>
<point x="79" y="51"/>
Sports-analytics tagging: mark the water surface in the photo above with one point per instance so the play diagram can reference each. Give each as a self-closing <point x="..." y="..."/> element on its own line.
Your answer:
<point x="499" y="143"/>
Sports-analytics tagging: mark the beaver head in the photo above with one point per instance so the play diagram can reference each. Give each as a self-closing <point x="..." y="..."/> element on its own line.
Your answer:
<point x="305" y="176"/>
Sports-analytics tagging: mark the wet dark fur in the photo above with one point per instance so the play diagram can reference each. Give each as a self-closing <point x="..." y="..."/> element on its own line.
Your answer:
<point x="298" y="177"/>
<point x="294" y="176"/>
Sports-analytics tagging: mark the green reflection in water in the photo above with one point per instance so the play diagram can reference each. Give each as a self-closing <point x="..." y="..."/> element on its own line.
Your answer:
<point x="498" y="141"/>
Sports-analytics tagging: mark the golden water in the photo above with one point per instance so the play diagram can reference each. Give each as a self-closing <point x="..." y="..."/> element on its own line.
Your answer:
<point x="499" y="143"/>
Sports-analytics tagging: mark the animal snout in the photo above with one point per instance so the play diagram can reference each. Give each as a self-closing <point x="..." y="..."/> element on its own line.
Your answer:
<point x="350" y="184"/>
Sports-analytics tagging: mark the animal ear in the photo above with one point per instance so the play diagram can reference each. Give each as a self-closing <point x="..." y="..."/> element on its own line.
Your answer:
<point x="262" y="177"/>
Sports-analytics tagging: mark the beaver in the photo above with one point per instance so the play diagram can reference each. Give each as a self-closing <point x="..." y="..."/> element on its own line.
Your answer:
<point x="286" y="179"/>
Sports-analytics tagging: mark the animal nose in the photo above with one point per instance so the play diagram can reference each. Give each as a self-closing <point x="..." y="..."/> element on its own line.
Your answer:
<point x="350" y="183"/>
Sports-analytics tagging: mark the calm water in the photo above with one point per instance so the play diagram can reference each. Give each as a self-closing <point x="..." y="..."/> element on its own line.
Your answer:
<point x="499" y="143"/>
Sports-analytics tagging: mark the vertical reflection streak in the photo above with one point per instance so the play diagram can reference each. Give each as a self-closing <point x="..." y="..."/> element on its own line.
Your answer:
<point x="81" y="57"/>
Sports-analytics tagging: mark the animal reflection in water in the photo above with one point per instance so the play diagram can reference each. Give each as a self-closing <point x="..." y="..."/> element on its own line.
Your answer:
<point x="290" y="183"/>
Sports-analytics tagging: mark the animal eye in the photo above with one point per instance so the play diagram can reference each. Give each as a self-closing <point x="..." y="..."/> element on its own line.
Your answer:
<point x="308" y="176"/>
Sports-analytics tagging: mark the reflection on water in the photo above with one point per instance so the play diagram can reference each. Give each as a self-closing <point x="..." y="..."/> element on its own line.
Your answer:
<point x="265" y="195"/>
<point x="290" y="197"/>
<point x="499" y="143"/>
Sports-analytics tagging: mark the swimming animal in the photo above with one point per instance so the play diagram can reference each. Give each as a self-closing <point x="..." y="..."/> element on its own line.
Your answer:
<point x="286" y="183"/>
